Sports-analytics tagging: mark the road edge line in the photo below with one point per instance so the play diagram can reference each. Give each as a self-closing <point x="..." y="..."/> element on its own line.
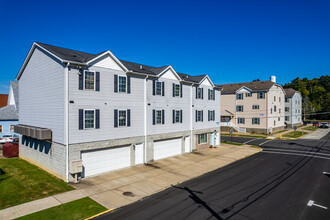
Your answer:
<point x="101" y="213"/>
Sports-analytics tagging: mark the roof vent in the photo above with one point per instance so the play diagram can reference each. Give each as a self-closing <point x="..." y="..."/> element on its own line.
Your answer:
<point x="273" y="79"/>
<point x="141" y="67"/>
<point x="186" y="76"/>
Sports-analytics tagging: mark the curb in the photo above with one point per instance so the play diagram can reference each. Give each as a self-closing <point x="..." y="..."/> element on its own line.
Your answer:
<point x="97" y="215"/>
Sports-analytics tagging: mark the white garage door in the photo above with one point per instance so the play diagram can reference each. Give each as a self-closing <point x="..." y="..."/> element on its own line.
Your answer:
<point x="167" y="148"/>
<point x="100" y="161"/>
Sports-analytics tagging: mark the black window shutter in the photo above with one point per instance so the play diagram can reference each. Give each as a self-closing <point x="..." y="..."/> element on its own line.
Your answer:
<point x="128" y="117"/>
<point x="202" y="115"/>
<point x="208" y="114"/>
<point x="153" y="87"/>
<point x="163" y="88"/>
<point x="202" y="93"/>
<point x="81" y="119"/>
<point x="208" y="92"/>
<point x="97" y="118"/>
<point x="196" y="92"/>
<point x="128" y="84"/>
<point x="213" y="115"/>
<point x="115" y="118"/>
<point x="97" y="81"/>
<point x="173" y="90"/>
<point x="173" y="116"/>
<point x="181" y="90"/>
<point x="242" y="108"/>
<point x="115" y="84"/>
<point x="153" y="116"/>
<point x="180" y="116"/>
<point x="213" y="94"/>
<point x="196" y="115"/>
<point x="163" y="116"/>
<point x="81" y="79"/>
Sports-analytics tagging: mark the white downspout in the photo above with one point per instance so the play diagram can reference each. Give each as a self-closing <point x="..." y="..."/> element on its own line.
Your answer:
<point x="191" y="117"/>
<point x="145" y="119"/>
<point x="66" y="126"/>
<point x="267" y="113"/>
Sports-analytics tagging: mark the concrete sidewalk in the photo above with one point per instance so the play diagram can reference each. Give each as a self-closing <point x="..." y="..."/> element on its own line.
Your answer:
<point x="122" y="187"/>
<point x="318" y="134"/>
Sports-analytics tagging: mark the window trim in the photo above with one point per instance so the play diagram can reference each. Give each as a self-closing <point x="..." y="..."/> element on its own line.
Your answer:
<point x="248" y="94"/>
<point x="175" y="90"/>
<point x="263" y="95"/>
<point x="254" y="107"/>
<point x="258" y="121"/>
<point x="199" y="115"/>
<point x="199" y="139"/>
<point x="212" y="94"/>
<point x="1" y="128"/>
<point x="11" y="128"/>
<point x="94" y="72"/>
<point x="177" y="113"/>
<point x="238" y="120"/>
<point x="237" y="108"/>
<point x="125" y="110"/>
<point x="84" y="119"/>
<point x="119" y="83"/>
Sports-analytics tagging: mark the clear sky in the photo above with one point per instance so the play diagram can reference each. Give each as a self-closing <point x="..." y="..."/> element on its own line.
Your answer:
<point x="231" y="41"/>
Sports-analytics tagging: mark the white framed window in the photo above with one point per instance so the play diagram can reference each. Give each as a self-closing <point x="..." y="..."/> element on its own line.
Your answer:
<point x="279" y="99"/>
<point x="177" y="90"/>
<point x="255" y="121"/>
<point x="211" y="94"/>
<point x="211" y="115"/>
<point x="241" y="121"/>
<point x="89" y="118"/>
<point x="177" y="115"/>
<point x="1" y="129"/>
<point x="199" y="116"/>
<point x="89" y="80"/>
<point x="239" y="96"/>
<point x="274" y="108"/>
<point x="279" y="119"/>
<point x="261" y="95"/>
<point x="279" y="110"/>
<point x="122" y="118"/>
<point x="286" y="99"/>
<point x="274" y="98"/>
<point x="239" y="108"/>
<point x="255" y="106"/>
<point x="286" y="118"/>
<point x="202" y="138"/>
<point x="249" y="94"/>
<point x="12" y="128"/>
<point x="122" y="83"/>
<point x="199" y="93"/>
<point x="158" y="88"/>
<point x="287" y="109"/>
<point x="158" y="116"/>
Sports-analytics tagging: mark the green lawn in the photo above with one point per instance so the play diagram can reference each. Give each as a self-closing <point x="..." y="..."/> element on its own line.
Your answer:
<point x="293" y="134"/>
<point x="225" y="142"/>
<point x="279" y="131"/>
<point x="246" y="135"/>
<point x="24" y="182"/>
<point x="78" y="209"/>
<point x="311" y="128"/>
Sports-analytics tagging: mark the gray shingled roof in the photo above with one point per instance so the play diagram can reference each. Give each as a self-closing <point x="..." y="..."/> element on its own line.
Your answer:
<point x="82" y="57"/>
<point x="254" y="86"/>
<point x="14" y="85"/>
<point x="289" y="92"/>
<point x="8" y="113"/>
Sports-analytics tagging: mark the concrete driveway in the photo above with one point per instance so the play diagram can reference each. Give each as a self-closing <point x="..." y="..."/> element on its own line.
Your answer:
<point x="122" y="187"/>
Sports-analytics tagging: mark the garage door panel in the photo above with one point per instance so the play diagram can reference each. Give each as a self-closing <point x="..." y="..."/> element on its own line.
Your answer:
<point x="167" y="148"/>
<point x="100" y="161"/>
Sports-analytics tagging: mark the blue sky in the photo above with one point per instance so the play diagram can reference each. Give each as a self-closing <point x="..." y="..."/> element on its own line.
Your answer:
<point x="231" y="41"/>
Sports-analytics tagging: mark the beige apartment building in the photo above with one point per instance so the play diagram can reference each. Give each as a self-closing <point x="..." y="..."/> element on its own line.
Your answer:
<point x="253" y="106"/>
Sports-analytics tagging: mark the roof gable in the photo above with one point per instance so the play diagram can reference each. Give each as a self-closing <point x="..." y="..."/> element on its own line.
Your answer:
<point x="169" y="73"/>
<point x="106" y="61"/>
<point x="243" y="89"/>
<point x="206" y="81"/>
<point x="253" y="86"/>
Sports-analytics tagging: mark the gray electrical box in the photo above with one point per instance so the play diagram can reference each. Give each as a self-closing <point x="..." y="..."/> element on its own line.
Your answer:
<point x="76" y="167"/>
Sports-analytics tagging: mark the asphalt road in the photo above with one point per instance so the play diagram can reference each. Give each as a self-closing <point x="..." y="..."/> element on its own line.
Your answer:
<point x="277" y="183"/>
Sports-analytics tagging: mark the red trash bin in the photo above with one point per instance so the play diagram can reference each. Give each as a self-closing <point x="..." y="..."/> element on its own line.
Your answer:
<point x="10" y="149"/>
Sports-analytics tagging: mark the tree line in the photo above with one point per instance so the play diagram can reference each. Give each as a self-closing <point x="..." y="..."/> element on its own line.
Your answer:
<point x="316" y="96"/>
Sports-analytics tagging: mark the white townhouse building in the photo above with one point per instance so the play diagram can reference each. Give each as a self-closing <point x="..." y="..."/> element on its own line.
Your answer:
<point x="293" y="109"/>
<point x="87" y="114"/>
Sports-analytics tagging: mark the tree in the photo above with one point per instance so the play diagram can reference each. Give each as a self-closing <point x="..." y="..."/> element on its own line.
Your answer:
<point x="256" y="80"/>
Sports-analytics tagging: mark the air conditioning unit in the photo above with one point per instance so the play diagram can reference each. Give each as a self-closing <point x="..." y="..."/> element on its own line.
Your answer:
<point x="26" y="131"/>
<point x="33" y="132"/>
<point x="43" y="134"/>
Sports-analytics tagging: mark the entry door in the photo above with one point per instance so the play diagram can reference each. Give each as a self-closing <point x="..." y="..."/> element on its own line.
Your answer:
<point x="187" y="144"/>
<point x="217" y="138"/>
<point x="212" y="139"/>
<point x="138" y="154"/>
